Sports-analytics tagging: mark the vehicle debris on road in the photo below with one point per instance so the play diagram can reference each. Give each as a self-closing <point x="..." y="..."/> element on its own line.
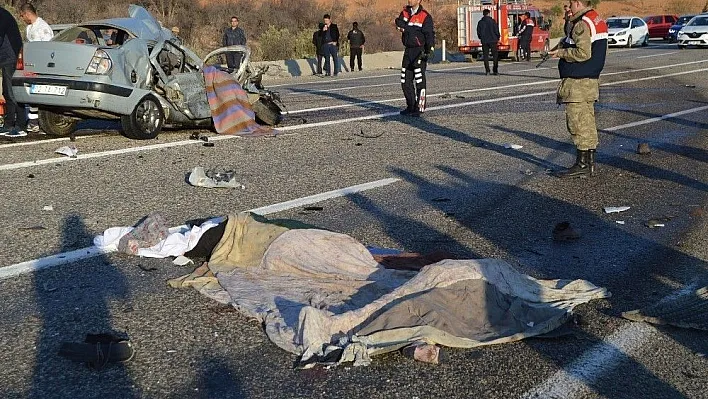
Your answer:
<point x="616" y="209"/>
<point x="643" y="149"/>
<point x="69" y="150"/>
<point x="199" y="177"/>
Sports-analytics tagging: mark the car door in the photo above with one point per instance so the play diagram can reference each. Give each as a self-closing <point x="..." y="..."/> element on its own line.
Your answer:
<point x="180" y="77"/>
<point x="217" y="58"/>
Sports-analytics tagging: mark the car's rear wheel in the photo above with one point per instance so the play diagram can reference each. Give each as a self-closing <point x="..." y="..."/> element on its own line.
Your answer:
<point x="55" y="124"/>
<point x="629" y="41"/>
<point x="267" y="111"/>
<point x="146" y="120"/>
<point x="645" y="42"/>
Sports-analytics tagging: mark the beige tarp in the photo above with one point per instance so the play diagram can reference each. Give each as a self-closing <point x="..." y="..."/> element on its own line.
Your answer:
<point x="317" y="290"/>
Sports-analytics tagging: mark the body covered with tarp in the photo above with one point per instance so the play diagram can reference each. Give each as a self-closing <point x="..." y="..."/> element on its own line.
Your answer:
<point x="318" y="291"/>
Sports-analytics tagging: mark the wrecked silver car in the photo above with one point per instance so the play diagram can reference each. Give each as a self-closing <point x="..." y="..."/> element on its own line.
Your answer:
<point x="130" y="69"/>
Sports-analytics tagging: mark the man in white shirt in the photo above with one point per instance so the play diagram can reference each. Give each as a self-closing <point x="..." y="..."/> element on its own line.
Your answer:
<point x="38" y="30"/>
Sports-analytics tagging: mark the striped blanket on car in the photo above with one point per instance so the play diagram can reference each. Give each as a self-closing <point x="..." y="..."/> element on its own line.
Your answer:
<point x="230" y="109"/>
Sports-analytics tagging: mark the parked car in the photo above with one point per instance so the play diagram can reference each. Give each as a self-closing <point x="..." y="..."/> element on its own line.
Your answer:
<point x="659" y="25"/>
<point x="627" y="31"/>
<point x="694" y="33"/>
<point x="672" y="36"/>
<point x="130" y="69"/>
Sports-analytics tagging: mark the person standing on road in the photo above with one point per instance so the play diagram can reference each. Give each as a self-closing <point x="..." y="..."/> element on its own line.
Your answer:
<point x="582" y="58"/>
<point x="525" y="34"/>
<point x="356" y="45"/>
<point x="37" y="31"/>
<point x="488" y="34"/>
<point x="330" y="45"/>
<point x="418" y="37"/>
<point x="234" y="36"/>
<point x="317" y="42"/>
<point x="10" y="47"/>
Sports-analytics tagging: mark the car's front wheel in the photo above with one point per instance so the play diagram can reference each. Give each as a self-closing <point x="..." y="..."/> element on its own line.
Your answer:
<point x="267" y="111"/>
<point x="56" y="124"/>
<point x="681" y="47"/>
<point x="146" y="120"/>
<point x="629" y="41"/>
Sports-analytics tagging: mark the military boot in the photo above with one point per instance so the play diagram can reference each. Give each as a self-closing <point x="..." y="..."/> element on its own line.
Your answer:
<point x="581" y="168"/>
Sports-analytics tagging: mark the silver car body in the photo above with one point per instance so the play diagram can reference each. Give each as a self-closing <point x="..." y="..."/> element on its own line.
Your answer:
<point x="695" y="32"/>
<point x="86" y="77"/>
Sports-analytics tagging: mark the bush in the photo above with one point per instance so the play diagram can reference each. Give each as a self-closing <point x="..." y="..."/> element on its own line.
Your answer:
<point x="303" y="44"/>
<point x="277" y="44"/>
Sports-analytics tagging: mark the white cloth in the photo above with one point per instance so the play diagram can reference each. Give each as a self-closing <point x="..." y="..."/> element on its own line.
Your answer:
<point x="39" y="31"/>
<point x="180" y="240"/>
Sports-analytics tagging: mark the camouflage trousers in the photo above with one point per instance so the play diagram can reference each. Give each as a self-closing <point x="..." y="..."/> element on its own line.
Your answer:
<point x="580" y="120"/>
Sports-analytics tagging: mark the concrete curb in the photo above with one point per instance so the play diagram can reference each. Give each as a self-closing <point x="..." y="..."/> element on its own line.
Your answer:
<point x="285" y="69"/>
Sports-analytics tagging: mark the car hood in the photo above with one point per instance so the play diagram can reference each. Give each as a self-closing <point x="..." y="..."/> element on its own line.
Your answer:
<point x="691" y="29"/>
<point x="616" y="30"/>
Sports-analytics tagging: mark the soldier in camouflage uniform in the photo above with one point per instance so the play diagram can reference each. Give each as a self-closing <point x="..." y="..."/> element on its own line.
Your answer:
<point x="582" y="58"/>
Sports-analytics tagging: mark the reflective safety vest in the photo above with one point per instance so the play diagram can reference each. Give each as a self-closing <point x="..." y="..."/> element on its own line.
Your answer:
<point x="597" y="29"/>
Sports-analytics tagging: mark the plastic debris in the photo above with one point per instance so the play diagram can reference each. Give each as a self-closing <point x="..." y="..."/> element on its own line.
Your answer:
<point x="69" y="150"/>
<point x="513" y="146"/>
<point x="199" y="177"/>
<point x="48" y="208"/>
<point x="619" y="221"/>
<point x="616" y="209"/>
<point x="182" y="261"/>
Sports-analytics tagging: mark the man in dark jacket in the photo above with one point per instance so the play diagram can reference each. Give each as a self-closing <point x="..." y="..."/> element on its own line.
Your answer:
<point x="234" y="36"/>
<point x="10" y="47"/>
<point x="330" y="45"/>
<point x="317" y="42"/>
<point x="356" y="45"/>
<point x="488" y="34"/>
<point x="418" y="37"/>
<point x="525" y="34"/>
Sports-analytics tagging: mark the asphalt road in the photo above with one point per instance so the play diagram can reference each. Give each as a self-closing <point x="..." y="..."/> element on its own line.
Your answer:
<point x="460" y="190"/>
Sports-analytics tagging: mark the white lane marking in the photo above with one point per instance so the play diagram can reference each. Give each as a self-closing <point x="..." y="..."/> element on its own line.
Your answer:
<point x="656" y="119"/>
<point x="603" y="358"/>
<point x="28" y="164"/>
<point x="530" y="69"/>
<point x="316" y="91"/>
<point x="21" y="144"/>
<point x="90" y="252"/>
<point x="658" y="55"/>
<point x="337" y="80"/>
<point x="543" y="82"/>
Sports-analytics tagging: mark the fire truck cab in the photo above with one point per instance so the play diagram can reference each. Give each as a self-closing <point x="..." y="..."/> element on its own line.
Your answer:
<point x="509" y="13"/>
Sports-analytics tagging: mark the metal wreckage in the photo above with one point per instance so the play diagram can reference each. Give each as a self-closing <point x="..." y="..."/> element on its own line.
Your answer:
<point x="131" y="69"/>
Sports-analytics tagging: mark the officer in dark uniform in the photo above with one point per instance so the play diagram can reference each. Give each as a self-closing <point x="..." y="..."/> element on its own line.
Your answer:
<point x="525" y="34"/>
<point x="418" y="36"/>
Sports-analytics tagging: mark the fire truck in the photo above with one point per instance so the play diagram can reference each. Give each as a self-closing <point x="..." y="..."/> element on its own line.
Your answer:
<point x="506" y="13"/>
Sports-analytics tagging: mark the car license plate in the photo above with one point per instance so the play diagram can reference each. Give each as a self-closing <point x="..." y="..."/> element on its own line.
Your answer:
<point x="48" y="89"/>
<point x="694" y="42"/>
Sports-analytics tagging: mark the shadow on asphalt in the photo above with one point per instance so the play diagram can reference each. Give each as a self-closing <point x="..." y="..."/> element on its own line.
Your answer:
<point x="217" y="379"/>
<point x="63" y="321"/>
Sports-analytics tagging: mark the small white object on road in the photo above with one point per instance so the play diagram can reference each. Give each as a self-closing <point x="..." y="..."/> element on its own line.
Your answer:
<point x="616" y="209"/>
<point x="48" y="208"/>
<point x="619" y="221"/>
<point x="182" y="261"/>
<point x="69" y="151"/>
<point x="513" y="146"/>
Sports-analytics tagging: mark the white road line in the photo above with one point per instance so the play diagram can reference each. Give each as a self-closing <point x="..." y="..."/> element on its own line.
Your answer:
<point x="24" y="143"/>
<point x="658" y="55"/>
<point x="657" y="119"/>
<point x="544" y="82"/>
<point x="90" y="252"/>
<point x="603" y="358"/>
<point x="28" y="164"/>
<point x="317" y="91"/>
